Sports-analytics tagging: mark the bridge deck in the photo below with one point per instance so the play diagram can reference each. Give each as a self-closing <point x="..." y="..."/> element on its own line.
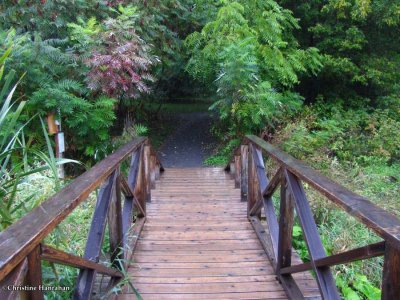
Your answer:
<point x="197" y="243"/>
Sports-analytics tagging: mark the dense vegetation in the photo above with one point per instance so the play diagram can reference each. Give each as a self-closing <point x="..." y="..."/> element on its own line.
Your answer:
<point x="319" y="78"/>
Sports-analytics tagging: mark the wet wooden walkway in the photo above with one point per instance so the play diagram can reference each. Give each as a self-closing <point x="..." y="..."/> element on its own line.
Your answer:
<point x="197" y="243"/>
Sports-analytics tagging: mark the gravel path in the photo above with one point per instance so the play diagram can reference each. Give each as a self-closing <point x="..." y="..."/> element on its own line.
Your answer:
<point x="191" y="143"/>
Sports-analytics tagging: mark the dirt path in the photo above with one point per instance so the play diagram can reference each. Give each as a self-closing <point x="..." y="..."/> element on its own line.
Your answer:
<point x="191" y="143"/>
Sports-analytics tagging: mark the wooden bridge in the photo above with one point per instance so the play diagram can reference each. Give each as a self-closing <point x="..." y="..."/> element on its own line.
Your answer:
<point x="201" y="233"/>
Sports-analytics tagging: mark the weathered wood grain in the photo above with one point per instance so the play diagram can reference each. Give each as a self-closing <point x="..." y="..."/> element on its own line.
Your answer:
<point x="18" y="240"/>
<point x="377" y="219"/>
<point x="94" y="242"/>
<point x="60" y="257"/>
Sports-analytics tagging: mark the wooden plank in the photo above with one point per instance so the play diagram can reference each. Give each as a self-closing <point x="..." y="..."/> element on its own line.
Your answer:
<point x="198" y="227"/>
<point x="208" y="296"/>
<point x="114" y="217"/>
<point x="316" y="250"/>
<point x="18" y="240"/>
<point x="214" y="257"/>
<point x="197" y="219"/>
<point x="199" y="236"/>
<point x="94" y="242"/>
<point x="221" y="287"/>
<point x="224" y="253"/>
<point x="190" y="246"/>
<point x="380" y="221"/>
<point x="211" y="279"/>
<point x="15" y="278"/>
<point x="206" y="266"/>
<point x="361" y="253"/>
<point x="34" y="275"/>
<point x="190" y="242"/>
<point x="60" y="257"/>
<point x="200" y="272"/>
<point x="391" y="274"/>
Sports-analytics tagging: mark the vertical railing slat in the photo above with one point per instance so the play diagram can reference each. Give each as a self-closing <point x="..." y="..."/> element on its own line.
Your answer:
<point x="286" y="220"/>
<point x="251" y="183"/>
<point x="316" y="250"/>
<point x="146" y="160"/>
<point x="34" y="275"/>
<point x="140" y="188"/>
<point x="115" y="225"/>
<point x="391" y="273"/>
<point x="94" y="242"/>
<point x="244" y="151"/>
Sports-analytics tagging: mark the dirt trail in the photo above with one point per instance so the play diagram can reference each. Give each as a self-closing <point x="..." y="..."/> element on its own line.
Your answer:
<point x="191" y="143"/>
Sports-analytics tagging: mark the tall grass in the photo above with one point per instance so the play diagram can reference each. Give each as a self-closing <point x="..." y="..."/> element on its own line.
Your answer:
<point x="18" y="161"/>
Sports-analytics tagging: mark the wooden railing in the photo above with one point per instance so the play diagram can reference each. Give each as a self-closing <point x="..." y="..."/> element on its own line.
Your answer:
<point x="249" y="172"/>
<point x="21" y="247"/>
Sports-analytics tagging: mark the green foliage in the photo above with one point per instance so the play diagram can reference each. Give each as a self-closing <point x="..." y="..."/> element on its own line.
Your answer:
<point x="355" y="148"/>
<point x="349" y="135"/>
<point x="18" y="161"/>
<point x="223" y="155"/>
<point x="49" y="17"/>
<point x="248" y="50"/>
<point x="360" y="45"/>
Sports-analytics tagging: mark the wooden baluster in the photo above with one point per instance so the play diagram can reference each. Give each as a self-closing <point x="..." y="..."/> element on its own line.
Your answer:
<point x="115" y="225"/>
<point x="140" y="188"/>
<point x="34" y="276"/>
<point x="266" y="202"/>
<point x="15" y="278"/>
<point x="244" y="151"/>
<point x="391" y="273"/>
<point x="237" y="171"/>
<point x="146" y="181"/>
<point x="251" y="183"/>
<point x="157" y="170"/>
<point x="316" y="250"/>
<point x="260" y="181"/>
<point x="286" y="221"/>
<point x="232" y="169"/>
<point x="95" y="238"/>
<point x="284" y="257"/>
<point x="153" y="171"/>
<point x="129" y="203"/>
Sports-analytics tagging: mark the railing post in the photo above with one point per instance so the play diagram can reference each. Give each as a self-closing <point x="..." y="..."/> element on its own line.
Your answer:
<point x="391" y="273"/>
<point x="140" y="188"/>
<point x="252" y="182"/>
<point x="286" y="221"/>
<point x="115" y="224"/>
<point x="237" y="171"/>
<point x="94" y="242"/>
<point x="34" y="276"/>
<point x="153" y="171"/>
<point x="147" y="184"/>
<point x="244" y="151"/>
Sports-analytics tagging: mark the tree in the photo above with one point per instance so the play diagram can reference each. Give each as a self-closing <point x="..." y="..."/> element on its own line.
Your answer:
<point x="248" y="50"/>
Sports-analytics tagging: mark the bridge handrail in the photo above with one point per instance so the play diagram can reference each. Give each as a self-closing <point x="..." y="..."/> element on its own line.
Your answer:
<point x="20" y="244"/>
<point x="247" y="167"/>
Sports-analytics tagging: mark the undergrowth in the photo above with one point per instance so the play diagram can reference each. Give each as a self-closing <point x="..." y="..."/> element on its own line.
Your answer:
<point x="356" y="148"/>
